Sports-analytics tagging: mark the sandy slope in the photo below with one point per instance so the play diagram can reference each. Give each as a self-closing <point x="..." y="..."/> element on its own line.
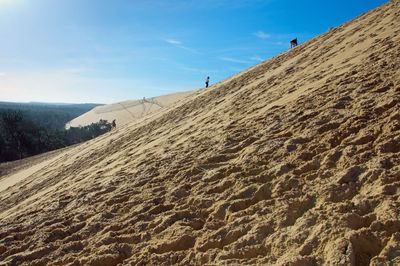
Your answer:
<point x="127" y="111"/>
<point x="9" y="168"/>
<point x="292" y="162"/>
<point x="13" y="172"/>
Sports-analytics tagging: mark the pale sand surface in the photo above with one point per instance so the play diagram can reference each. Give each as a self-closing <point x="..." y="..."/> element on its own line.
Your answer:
<point x="127" y="111"/>
<point x="15" y="171"/>
<point x="295" y="161"/>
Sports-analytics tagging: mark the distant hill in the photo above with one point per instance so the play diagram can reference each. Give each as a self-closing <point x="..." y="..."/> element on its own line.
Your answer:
<point x="128" y="111"/>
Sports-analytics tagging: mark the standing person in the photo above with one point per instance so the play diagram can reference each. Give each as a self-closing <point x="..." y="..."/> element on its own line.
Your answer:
<point x="293" y="43"/>
<point x="207" y="81"/>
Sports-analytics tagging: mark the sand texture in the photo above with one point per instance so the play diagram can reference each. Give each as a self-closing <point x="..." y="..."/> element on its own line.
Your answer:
<point x="295" y="161"/>
<point x="127" y="111"/>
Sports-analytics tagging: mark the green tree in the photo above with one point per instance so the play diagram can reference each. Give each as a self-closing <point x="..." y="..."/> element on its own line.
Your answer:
<point x="20" y="137"/>
<point x="12" y="129"/>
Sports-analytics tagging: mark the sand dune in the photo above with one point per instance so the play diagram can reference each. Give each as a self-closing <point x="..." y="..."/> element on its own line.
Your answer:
<point x="127" y="111"/>
<point x="295" y="161"/>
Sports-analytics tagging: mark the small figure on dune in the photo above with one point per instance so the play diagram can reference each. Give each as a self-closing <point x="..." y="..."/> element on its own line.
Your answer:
<point x="207" y="81"/>
<point x="113" y="125"/>
<point x="293" y="43"/>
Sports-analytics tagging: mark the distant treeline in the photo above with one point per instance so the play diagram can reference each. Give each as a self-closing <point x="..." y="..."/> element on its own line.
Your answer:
<point x="30" y="132"/>
<point x="49" y="115"/>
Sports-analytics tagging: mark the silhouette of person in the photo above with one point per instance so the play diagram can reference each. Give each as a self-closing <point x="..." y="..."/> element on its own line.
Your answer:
<point x="293" y="43"/>
<point x="207" y="81"/>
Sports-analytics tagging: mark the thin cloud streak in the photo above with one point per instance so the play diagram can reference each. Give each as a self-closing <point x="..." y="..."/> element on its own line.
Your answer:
<point x="178" y="44"/>
<point x="257" y="58"/>
<point x="198" y="70"/>
<point x="229" y="59"/>
<point x="189" y="49"/>
<point x="174" y="42"/>
<point x="206" y="4"/>
<point x="262" y="35"/>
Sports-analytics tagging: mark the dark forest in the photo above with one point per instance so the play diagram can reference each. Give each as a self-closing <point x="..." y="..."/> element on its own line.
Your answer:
<point x="34" y="128"/>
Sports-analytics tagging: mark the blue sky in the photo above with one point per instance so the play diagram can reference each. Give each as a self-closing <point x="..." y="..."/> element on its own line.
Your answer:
<point x="105" y="51"/>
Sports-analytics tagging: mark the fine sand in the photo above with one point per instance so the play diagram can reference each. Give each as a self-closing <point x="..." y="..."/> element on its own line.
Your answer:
<point x="295" y="161"/>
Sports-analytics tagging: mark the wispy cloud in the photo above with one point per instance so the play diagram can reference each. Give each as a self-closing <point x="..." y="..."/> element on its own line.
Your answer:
<point x="189" y="49"/>
<point x="262" y="35"/>
<point x="76" y="70"/>
<point x="237" y="69"/>
<point x="207" y="4"/>
<point x="2" y="74"/>
<point x="180" y="45"/>
<point x="199" y="70"/>
<point x="174" y="42"/>
<point x="234" y="60"/>
<point x="257" y="58"/>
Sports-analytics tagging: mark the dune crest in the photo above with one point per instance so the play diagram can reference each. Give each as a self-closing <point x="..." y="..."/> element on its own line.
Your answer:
<point x="295" y="161"/>
<point x="128" y="111"/>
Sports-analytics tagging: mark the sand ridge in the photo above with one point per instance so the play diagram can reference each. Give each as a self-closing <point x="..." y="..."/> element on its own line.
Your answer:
<point x="294" y="161"/>
<point x="128" y="111"/>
